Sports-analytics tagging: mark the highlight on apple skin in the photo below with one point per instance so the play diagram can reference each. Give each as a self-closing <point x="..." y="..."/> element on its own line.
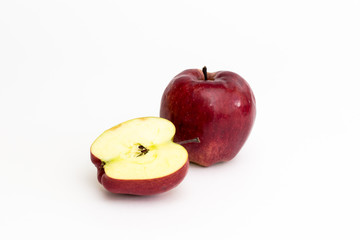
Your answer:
<point x="138" y="157"/>
<point x="219" y="108"/>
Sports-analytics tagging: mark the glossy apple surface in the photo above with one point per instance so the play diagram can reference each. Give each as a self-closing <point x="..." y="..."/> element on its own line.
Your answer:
<point x="218" y="108"/>
<point x="138" y="157"/>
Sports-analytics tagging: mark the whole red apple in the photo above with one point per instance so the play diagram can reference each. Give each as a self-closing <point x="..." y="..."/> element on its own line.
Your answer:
<point x="218" y="108"/>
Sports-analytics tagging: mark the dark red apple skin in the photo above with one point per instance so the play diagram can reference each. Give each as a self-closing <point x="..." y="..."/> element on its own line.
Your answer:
<point x="220" y="111"/>
<point x="139" y="186"/>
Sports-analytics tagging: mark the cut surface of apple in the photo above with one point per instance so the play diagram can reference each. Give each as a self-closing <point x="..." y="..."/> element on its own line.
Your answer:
<point x="138" y="150"/>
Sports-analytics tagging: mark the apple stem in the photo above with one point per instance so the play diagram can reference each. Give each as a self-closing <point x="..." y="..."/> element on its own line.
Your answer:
<point x="204" y="70"/>
<point x="194" y="140"/>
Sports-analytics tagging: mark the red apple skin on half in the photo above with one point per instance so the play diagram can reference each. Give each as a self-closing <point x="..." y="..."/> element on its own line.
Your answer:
<point x="220" y="111"/>
<point x="140" y="186"/>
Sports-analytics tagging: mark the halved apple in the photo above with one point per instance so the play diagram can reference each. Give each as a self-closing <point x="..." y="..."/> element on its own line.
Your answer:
<point x="138" y="157"/>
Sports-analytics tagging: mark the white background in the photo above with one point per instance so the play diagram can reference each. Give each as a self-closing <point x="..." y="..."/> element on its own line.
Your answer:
<point x="71" y="69"/>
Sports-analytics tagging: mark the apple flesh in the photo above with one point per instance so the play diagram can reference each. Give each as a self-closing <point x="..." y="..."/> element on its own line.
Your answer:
<point x="218" y="108"/>
<point x="138" y="157"/>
